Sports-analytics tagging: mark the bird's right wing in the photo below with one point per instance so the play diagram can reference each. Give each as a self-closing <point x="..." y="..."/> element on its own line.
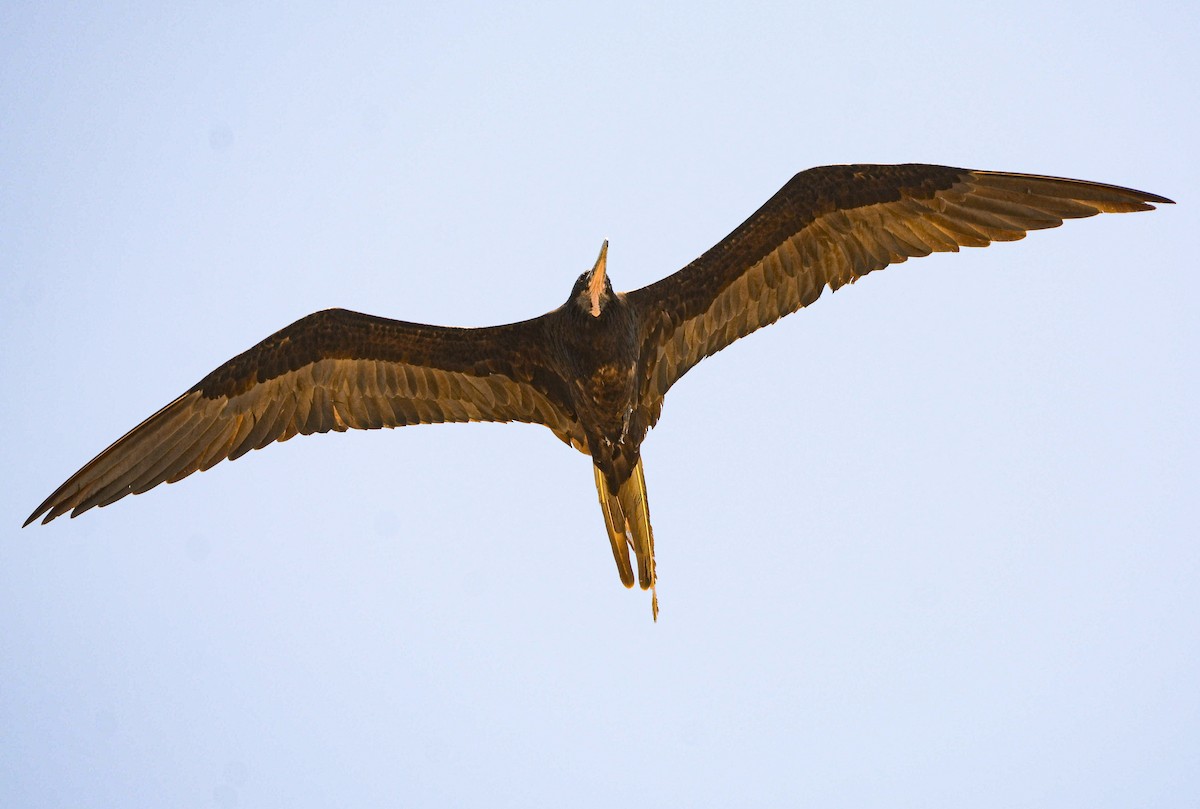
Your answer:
<point x="832" y="225"/>
<point x="333" y="370"/>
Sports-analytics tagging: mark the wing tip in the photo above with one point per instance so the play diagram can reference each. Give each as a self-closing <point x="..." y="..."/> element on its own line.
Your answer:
<point x="1144" y="196"/>
<point x="47" y="508"/>
<point x="1119" y="193"/>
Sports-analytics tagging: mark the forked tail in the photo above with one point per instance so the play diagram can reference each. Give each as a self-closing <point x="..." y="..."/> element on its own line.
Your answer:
<point x="627" y="518"/>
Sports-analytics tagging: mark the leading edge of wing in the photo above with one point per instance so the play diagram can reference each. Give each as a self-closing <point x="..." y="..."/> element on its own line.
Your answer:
<point x="821" y="191"/>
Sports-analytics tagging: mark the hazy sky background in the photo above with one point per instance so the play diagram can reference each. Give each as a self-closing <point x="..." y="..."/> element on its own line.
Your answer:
<point x="932" y="542"/>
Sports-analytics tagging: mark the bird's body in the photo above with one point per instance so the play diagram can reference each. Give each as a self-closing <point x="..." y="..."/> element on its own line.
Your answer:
<point x="600" y="355"/>
<point x="594" y="370"/>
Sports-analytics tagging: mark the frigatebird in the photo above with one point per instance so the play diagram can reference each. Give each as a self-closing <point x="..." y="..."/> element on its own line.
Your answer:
<point x="594" y="370"/>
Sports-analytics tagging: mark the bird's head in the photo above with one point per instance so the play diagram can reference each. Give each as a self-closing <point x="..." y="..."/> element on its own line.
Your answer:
<point x="592" y="291"/>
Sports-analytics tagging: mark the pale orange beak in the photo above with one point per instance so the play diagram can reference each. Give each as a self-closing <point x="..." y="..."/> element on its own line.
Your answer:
<point x="596" y="287"/>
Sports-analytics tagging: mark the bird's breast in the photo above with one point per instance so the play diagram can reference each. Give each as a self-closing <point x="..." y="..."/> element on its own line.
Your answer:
<point x="608" y="392"/>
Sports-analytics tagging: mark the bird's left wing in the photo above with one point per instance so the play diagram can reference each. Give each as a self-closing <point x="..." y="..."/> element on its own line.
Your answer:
<point x="832" y="225"/>
<point x="333" y="370"/>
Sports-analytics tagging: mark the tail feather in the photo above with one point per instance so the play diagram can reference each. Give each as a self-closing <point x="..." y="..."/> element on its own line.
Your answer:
<point x="614" y="517"/>
<point x="627" y="519"/>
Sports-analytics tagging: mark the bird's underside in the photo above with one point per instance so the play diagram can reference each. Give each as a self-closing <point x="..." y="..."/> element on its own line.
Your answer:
<point x="596" y="369"/>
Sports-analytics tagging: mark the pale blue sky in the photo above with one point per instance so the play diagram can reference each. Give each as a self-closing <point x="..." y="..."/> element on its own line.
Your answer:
<point x="932" y="542"/>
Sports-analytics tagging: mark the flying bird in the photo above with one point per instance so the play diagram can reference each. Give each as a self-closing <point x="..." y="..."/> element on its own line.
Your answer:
<point x="596" y="369"/>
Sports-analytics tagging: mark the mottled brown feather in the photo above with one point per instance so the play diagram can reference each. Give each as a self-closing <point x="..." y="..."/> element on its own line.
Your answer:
<point x="339" y="370"/>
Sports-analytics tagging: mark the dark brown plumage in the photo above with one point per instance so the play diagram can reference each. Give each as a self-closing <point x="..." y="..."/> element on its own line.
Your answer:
<point x="596" y="369"/>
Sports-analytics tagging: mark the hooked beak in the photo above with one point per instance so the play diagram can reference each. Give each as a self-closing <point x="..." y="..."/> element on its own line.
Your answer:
<point x="596" y="286"/>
